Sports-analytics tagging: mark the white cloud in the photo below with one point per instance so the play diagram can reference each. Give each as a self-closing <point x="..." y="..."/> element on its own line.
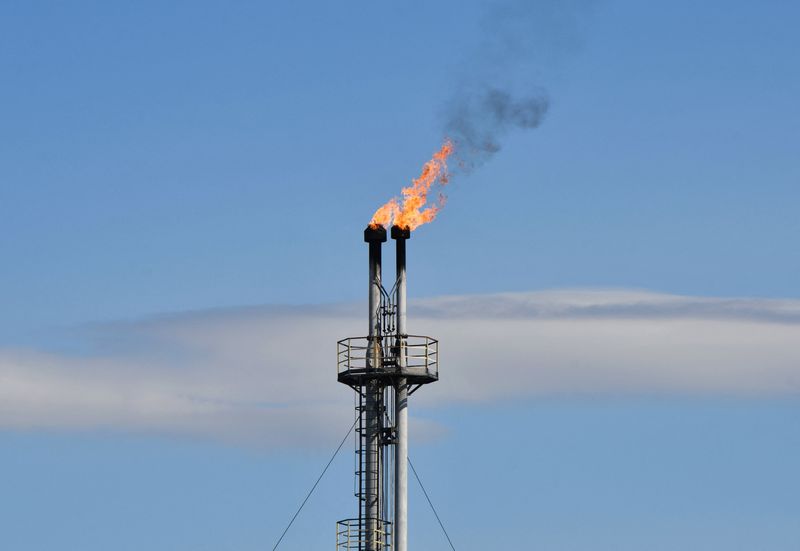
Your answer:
<point x="267" y="374"/>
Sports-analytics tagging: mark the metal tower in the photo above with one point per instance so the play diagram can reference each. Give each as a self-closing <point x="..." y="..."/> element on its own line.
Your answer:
<point x="384" y="369"/>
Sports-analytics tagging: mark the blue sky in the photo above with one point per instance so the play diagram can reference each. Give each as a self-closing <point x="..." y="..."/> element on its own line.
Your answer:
<point x="182" y="191"/>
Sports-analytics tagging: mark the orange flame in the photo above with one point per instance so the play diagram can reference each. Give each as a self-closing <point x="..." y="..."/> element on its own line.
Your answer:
<point x="412" y="212"/>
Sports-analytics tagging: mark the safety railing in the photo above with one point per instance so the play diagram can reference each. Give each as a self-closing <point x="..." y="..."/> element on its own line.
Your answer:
<point x="352" y="534"/>
<point x="413" y="354"/>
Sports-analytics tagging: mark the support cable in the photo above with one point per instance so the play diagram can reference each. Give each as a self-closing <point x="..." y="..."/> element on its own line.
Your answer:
<point x="314" y="487"/>
<point x="431" y="504"/>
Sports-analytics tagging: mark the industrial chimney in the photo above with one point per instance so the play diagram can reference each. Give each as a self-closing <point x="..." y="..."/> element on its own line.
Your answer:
<point x="384" y="369"/>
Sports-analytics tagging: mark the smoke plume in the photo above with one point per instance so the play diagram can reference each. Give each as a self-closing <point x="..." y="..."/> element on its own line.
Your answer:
<point x="497" y="93"/>
<point x="478" y="122"/>
<point x="498" y="90"/>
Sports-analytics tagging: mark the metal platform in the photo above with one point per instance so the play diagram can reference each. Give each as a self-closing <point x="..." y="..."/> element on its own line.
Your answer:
<point x="360" y="359"/>
<point x="351" y="534"/>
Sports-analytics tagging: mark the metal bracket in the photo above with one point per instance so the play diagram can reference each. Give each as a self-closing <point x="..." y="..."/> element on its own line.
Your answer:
<point x="388" y="436"/>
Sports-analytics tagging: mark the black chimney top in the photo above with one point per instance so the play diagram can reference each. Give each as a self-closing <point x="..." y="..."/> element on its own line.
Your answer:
<point x="375" y="234"/>
<point x="401" y="233"/>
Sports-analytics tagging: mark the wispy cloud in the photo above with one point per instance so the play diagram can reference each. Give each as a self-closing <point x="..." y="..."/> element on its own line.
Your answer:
<point x="267" y="374"/>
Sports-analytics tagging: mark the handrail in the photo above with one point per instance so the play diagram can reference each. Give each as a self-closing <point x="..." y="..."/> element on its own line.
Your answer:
<point x="352" y="533"/>
<point x="356" y="355"/>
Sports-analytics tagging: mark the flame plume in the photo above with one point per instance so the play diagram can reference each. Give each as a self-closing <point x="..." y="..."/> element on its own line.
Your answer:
<point x="412" y="211"/>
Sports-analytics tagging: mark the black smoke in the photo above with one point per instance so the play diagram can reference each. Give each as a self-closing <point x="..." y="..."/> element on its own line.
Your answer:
<point x="477" y="122"/>
<point x="498" y="89"/>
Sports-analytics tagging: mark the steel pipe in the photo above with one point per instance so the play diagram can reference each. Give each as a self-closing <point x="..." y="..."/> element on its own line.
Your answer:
<point x="401" y="235"/>
<point x="375" y="237"/>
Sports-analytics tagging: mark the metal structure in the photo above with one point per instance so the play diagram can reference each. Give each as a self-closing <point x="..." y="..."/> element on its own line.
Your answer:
<point x="384" y="369"/>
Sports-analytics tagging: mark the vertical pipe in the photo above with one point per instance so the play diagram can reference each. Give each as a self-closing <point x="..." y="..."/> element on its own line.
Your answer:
<point x="400" y="236"/>
<point x="372" y="412"/>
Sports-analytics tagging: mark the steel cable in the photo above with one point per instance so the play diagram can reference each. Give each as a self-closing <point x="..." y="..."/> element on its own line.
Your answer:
<point x="314" y="487"/>
<point x="431" y="504"/>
